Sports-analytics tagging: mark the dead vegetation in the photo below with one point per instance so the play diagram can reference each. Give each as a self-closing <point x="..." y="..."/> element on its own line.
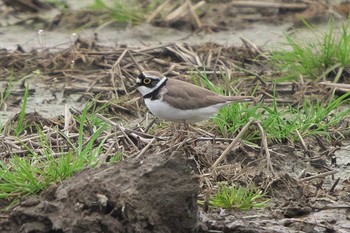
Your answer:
<point x="90" y="69"/>
<point x="103" y="73"/>
<point x="210" y="16"/>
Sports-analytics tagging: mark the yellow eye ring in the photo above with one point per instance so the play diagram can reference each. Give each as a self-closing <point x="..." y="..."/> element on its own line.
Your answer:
<point x="147" y="81"/>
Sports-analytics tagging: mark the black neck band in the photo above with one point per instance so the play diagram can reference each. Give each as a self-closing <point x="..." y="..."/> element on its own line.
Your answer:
<point x="154" y="94"/>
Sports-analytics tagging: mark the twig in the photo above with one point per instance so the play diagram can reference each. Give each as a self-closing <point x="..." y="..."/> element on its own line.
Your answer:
<point x="177" y="13"/>
<point x="136" y="63"/>
<point x="66" y="138"/>
<point x="181" y="12"/>
<point x="145" y="148"/>
<point x="102" y="158"/>
<point x="318" y="176"/>
<point x="116" y="66"/>
<point x="193" y="14"/>
<point x="302" y="174"/>
<point x="321" y="144"/>
<point x="178" y="145"/>
<point x="121" y="129"/>
<point x="289" y="221"/>
<point x="331" y="190"/>
<point x="216" y="62"/>
<point x="201" y="131"/>
<point x="67" y="119"/>
<point x="232" y="144"/>
<point x="156" y="12"/>
<point x="336" y="85"/>
<point x="144" y="137"/>
<point x="149" y="126"/>
<point x="119" y="59"/>
<point x="331" y="207"/>
<point x="252" y="46"/>
<point x="183" y="142"/>
<point x="75" y="89"/>
<point x="138" y="137"/>
<point x="265" y="146"/>
<point x="303" y="143"/>
<point x="105" y="119"/>
<point x="260" y="4"/>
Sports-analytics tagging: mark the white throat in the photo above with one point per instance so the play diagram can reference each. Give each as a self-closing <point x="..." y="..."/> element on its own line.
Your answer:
<point x="146" y="90"/>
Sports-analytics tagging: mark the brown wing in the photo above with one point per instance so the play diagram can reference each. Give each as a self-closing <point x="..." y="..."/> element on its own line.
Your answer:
<point x="183" y="95"/>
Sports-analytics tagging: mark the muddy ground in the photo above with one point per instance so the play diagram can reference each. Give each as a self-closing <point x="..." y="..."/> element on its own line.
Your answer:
<point x="157" y="189"/>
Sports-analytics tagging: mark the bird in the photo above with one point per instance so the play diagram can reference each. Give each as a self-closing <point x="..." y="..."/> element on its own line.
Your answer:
<point x="179" y="101"/>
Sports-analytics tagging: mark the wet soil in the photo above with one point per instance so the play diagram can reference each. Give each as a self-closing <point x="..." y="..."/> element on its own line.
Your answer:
<point x="155" y="194"/>
<point x="158" y="191"/>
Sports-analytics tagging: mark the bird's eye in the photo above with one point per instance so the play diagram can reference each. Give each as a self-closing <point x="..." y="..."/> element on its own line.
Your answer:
<point x="147" y="81"/>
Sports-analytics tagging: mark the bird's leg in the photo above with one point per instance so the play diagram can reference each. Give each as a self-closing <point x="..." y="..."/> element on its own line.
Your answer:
<point x="190" y="133"/>
<point x="182" y="130"/>
<point x="179" y="131"/>
<point x="187" y="129"/>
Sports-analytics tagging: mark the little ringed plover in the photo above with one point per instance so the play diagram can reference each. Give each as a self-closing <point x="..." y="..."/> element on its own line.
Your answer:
<point x="179" y="101"/>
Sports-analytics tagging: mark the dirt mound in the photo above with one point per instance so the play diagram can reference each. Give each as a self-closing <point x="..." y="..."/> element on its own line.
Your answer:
<point x="157" y="194"/>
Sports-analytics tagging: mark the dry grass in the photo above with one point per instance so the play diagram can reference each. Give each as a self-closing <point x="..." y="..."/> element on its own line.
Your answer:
<point x="102" y="73"/>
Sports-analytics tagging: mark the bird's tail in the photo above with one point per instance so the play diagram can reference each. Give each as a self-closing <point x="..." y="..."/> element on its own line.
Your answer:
<point x="240" y="98"/>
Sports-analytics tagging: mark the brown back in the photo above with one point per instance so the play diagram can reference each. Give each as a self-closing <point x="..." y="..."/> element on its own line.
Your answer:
<point x="183" y="95"/>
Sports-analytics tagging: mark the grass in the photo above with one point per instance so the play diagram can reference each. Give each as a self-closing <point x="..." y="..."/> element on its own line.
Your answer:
<point x="126" y="11"/>
<point x="326" y="57"/>
<point x="5" y="93"/>
<point x="22" y="176"/>
<point x="280" y="123"/>
<point x="19" y="129"/>
<point x="229" y="197"/>
<point x="283" y="123"/>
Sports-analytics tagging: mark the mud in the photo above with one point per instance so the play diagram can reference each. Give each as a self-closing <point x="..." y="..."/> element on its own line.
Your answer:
<point x="155" y="194"/>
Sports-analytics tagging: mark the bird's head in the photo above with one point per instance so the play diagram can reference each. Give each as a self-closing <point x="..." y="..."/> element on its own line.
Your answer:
<point x="148" y="81"/>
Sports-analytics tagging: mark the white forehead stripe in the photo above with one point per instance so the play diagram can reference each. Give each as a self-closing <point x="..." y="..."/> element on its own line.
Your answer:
<point x="153" y="76"/>
<point x="150" y="75"/>
<point x="147" y="90"/>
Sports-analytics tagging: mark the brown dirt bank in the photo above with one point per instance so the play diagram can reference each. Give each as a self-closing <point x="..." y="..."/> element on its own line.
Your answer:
<point x="157" y="194"/>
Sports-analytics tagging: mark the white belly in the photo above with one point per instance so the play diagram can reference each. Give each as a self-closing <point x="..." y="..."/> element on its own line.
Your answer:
<point x="164" y="111"/>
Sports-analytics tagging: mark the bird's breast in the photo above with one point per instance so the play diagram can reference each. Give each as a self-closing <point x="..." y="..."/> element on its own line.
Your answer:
<point x="164" y="110"/>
